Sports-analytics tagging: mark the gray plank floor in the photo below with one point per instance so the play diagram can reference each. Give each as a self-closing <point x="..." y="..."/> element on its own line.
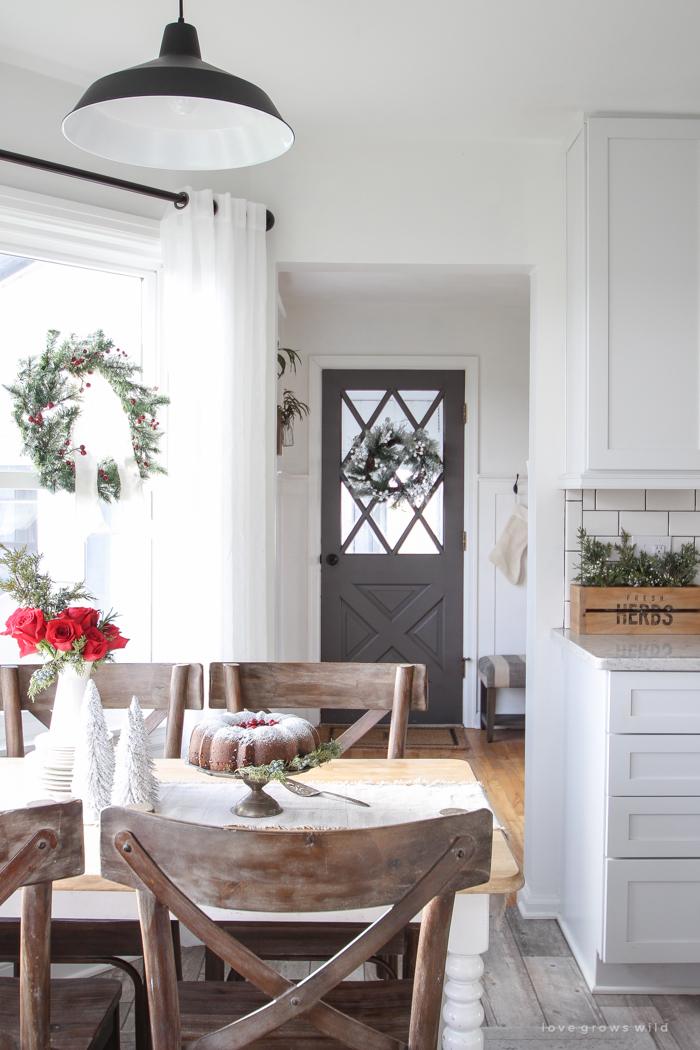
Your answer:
<point x="533" y="994"/>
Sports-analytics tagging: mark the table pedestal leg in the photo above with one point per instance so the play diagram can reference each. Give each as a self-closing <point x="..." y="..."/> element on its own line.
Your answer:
<point x="462" y="1012"/>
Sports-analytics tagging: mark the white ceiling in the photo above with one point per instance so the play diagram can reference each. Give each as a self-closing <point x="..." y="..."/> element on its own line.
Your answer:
<point x="396" y="70"/>
<point x="404" y="286"/>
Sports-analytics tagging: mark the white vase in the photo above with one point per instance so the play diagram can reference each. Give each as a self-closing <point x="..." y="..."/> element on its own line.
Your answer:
<point x="70" y="690"/>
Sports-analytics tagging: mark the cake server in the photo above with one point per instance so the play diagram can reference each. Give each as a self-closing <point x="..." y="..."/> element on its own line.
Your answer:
<point x="306" y="791"/>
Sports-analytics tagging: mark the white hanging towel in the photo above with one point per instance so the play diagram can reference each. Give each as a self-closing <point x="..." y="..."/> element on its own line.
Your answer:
<point x="507" y="555"/>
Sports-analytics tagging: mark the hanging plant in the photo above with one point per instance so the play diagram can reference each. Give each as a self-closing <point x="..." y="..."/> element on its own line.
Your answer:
<point x="377" y="464"/>
<point x="47" y="395"/>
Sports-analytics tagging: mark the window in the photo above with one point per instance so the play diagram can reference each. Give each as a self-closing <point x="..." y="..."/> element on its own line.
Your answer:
<point x="36" y="296"/>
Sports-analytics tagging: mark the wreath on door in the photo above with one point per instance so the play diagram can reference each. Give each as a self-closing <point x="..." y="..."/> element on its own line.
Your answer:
<point x="394" y="465"/>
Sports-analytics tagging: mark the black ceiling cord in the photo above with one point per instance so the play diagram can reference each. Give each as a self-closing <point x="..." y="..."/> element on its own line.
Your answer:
<point x="180" y="200"/>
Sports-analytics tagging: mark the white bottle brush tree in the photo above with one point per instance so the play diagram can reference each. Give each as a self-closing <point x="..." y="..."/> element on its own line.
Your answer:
<point x="134" y="780"/>
<point x="93" y="773"/>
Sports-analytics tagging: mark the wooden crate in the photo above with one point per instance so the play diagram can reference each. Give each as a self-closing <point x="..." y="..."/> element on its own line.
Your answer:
<point x="635" y="610"/>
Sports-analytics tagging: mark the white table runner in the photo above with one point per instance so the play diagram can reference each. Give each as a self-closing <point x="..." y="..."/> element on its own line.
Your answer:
<point x="389" y="803"/>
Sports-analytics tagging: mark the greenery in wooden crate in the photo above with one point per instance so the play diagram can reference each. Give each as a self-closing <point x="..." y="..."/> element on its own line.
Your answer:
<point x="619" y="564"/>
<point x="280" y="770"/>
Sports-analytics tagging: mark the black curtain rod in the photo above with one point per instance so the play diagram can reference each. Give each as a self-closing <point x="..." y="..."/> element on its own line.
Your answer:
<point x="180" y="200"/>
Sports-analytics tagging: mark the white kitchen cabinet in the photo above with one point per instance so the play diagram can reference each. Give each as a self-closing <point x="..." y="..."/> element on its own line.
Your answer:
<point x="630" y="890"/>
<point x="633" y="303"/>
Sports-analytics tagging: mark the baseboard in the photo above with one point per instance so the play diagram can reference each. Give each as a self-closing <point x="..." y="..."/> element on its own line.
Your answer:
<point x="534" y="906"/>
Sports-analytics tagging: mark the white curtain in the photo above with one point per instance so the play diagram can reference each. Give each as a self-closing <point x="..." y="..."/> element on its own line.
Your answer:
<point x="210" y="529"/>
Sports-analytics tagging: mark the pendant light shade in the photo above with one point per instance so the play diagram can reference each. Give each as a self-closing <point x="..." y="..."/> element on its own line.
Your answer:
<point x="178" y="112"/>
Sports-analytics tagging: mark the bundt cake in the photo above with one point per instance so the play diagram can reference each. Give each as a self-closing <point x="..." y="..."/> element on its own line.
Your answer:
<point x="226" y="741"/>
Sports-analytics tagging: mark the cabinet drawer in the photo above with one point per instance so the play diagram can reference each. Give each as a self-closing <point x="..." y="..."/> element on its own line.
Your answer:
<point x="651" y="911"/>
<point x="653" y="827"/>
<point x="654" y="765"/>
<point x="654" y="701"/>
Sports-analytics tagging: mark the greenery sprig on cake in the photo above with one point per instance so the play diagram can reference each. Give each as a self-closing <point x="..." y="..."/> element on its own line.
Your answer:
<point x="47" y="395"/>
<point x="619" y="564"/>
<point x="280" y="770"/>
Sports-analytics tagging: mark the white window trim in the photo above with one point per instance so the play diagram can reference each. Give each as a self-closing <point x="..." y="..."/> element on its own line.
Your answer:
<point x="55" y="230"/>
<point x="470" y="366"/>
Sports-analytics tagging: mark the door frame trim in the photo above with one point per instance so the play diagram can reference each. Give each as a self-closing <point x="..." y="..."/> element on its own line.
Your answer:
<point x="470" y="367"/>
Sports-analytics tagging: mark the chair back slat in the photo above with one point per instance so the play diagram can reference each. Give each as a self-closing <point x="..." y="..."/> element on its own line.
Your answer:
<point x="17" y="826"/>
<point x="341" y="685"/>
<point x="288" y="871"/>
<point x="117" y="683"/>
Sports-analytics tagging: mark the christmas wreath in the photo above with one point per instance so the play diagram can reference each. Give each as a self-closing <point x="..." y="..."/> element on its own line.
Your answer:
<point x="373" y="463"/>
<point x="47" y="395"/>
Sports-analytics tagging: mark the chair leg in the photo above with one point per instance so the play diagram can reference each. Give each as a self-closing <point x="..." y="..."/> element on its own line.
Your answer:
<point x="426" y="1003"/>
<point x="213" y="966"/>
<point x="483" y="707"/>
<point x="491" y="713"/>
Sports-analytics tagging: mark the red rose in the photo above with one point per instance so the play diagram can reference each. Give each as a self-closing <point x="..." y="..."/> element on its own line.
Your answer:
<point x="62" y="632"/>
<point x="81" y="615"/>
<point x="114" y="636"/>
<point x="27" y="627"/>
<point x="96" y="645"/>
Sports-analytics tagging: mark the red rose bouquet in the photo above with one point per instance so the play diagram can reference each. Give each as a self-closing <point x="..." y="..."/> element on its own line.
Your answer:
<point x="47" y="622"/>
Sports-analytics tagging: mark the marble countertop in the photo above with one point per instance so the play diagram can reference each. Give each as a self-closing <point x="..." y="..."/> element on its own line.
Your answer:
<point x="632" y="652"/>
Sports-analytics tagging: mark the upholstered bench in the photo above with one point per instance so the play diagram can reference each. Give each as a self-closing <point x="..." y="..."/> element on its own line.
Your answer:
<point x="499" y="672"/>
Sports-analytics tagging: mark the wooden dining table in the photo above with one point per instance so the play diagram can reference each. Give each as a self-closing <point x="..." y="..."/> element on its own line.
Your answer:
<point x="91" y="896"/>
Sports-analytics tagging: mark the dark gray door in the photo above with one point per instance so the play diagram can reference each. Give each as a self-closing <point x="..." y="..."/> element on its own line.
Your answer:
<point x="392" y="578"/>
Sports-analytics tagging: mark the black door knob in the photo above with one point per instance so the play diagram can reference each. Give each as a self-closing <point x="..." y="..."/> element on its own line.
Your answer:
<point x="332" y="559"/>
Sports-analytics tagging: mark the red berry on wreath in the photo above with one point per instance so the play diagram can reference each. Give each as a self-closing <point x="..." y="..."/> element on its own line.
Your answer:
<point x="50" y="404"/>
<point x="68" y="442"/>
<point x="133" y="400"/>
<point x="88" y="384"/>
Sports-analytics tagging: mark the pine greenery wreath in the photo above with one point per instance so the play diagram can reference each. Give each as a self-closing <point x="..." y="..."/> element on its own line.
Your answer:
<point x="376" y="456"/>
<point x="47" y="395"/>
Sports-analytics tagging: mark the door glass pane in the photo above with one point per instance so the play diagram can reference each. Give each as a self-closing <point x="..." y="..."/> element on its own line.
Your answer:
<point x="365" y="542"/>
<point x="365" y="401"/>
<point x="434" y="514"/>
<point x="419" y="402"/>
<point x="349" y="513"/>
<point x="350" y="428"/>
<point x="393" y="521"/>
<point x="418" y="541"/>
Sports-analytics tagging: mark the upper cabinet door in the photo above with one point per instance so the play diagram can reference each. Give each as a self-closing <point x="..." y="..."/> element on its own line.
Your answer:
<point x="633" y="359"/>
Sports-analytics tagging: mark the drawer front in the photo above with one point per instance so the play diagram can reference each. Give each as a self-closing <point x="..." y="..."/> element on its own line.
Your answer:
<point x="654" y="702"/>
<point x="653" y="827"/>
<point x="651" y="911"/>
<point x="654" y="765"/>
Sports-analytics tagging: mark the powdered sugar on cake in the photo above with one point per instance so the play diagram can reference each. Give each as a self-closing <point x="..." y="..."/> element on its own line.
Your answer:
<point x="224" y="742"/>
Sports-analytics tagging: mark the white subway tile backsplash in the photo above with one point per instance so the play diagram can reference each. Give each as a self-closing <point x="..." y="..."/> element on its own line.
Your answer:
<point x="684" y="523"/>
<point x="620" y="499"/>
<point x="648" y="543"/>
<point x="589" y="499"/>
<point x="571" y="568"/>
<point x="678" y="541"/>
<point x="574" y="520"/>
<point x="645" y="522"/>
<point x="575" y="495"/>
<point x="567" y="615"/>
<point x="600" y="521"/>
<point x="670" y="499"/>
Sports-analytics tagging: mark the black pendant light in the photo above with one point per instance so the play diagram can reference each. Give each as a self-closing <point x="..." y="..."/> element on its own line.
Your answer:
<point x="178" y="112"/>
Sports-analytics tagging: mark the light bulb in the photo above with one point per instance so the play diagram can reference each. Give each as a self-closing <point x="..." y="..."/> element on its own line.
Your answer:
<point x="182" y="105"/>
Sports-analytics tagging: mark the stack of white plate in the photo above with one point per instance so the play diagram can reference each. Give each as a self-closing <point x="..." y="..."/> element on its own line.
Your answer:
<point x="56" y="761"/>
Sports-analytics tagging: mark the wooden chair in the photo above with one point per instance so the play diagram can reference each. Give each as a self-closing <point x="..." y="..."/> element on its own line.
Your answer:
<point x="376" y="688"/>
<point x="177" y="867"/>
<point x="169" y="689"/>
<point x="109" y="941"/>
<point x="38" y="845"/>
<point x="373" y="688"/>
